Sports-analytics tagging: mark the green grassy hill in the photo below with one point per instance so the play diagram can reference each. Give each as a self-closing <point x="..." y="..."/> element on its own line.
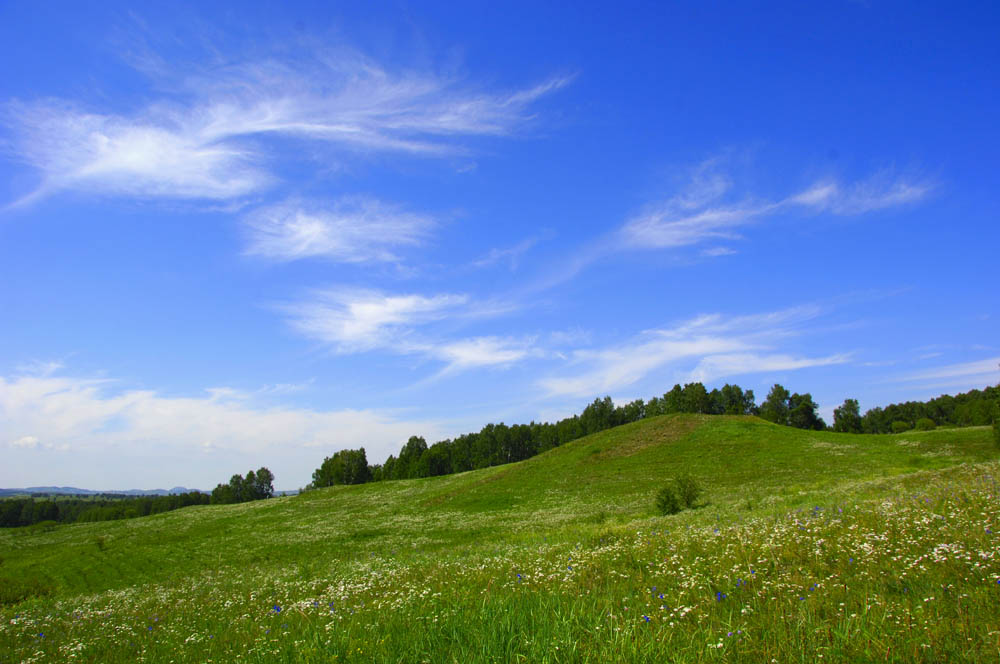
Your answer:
<point x="551" y="559"/>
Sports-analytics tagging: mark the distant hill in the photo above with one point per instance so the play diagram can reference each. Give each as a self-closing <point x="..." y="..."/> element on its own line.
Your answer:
<point x="71" y="490"/>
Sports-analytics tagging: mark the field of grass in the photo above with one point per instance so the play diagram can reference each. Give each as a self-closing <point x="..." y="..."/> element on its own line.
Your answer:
<point x="807" y="546"/>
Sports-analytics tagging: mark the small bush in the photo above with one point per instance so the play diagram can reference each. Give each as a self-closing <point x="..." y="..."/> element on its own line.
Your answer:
<point x="14" y="590"/>
<point x="688" y="490"/>
<point x="925" y="424"/>
<point x="996" y="424"/>
<point x="667" y="501"/>
<point x="899" y="426"/>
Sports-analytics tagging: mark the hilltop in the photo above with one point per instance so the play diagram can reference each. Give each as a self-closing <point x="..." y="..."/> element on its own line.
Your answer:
<point x="318" y="562"/>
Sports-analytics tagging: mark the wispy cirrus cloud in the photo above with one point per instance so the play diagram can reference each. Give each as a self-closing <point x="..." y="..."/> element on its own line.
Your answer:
<point x="716" y="345"/>
<point x="977" y="373"/>
<point x="352" y="229"/>
<point x="356" y="321"/>
<point x="209" y="132"/>
<point x="509" y="255"/>
<point x="701" y="213"/>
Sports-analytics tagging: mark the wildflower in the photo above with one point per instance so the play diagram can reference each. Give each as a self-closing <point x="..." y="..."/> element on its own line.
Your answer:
<point x="276" y="608"/>
<point x="646" y="618"/>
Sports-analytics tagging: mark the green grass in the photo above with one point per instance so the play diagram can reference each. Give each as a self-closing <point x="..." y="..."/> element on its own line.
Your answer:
<point x="888" y="541"/>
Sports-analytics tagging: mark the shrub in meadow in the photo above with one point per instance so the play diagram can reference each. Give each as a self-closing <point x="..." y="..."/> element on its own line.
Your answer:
<point x="899" y="426"/>
<point x="688" y="490"/>
<point x="667" y="501"/>
<point x="996" y="424"/>
<point x="925" y="424"/>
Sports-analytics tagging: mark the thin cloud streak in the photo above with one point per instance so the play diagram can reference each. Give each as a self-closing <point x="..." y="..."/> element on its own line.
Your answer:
<point x="352" y="229"/>
<point x="697" y="214"/>
<point x="985" y="370"/>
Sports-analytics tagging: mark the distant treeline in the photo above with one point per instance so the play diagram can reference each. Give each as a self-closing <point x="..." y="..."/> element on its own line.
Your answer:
<point x="497" y="444"/>
<point x="16" y="512"/>
<point x="969" y="409"/>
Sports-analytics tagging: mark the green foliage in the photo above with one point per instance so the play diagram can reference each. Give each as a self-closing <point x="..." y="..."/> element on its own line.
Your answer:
<point x="972" y="408"/>
<point x="18" y="589"/>
<point x="344" y="467"/>
<point x="925" y="424"/>
<point x="255" y="486"/>
<point x="667" y="501"/>
<point x="688" y="490"/>
<point x="899" y="426"/>
<point x="775" y="406"/>
<point x="996" y="424"/>
<point x="847" y="418"/>
<point x="15" y="512"/>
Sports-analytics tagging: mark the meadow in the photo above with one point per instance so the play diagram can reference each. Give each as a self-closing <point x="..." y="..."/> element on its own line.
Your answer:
<point x="806" y="546"/>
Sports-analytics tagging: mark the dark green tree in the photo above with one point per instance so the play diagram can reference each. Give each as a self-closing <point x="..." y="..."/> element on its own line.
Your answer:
<point x="802" y="413"/>
<point x="847" y="417"/>
<point x="775" y="407"/>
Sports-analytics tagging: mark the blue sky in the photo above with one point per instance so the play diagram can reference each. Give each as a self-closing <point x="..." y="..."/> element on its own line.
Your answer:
<point x="245" y="235"/>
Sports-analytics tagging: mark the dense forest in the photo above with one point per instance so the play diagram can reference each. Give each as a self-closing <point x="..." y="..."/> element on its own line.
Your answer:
<point x="497" y="444"/>
<point x="16" y="512"/>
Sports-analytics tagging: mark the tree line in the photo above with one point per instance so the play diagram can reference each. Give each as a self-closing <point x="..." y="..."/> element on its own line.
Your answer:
<point x="968" y="409"/>
<point x="497" y="444"/>
<point x="15" y="512"/>
<point x="255" y="486"/>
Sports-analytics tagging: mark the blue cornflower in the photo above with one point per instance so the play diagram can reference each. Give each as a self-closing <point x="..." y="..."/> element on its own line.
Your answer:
<point x="661" y="595"/>
<point x="569" y="567"/>
<point x="719" y="596"/>
<point x="41" y="635"/>
<point x="646" y="618"/>
<point x="519" y="578"/>
<point x="276" y="608"/>
<point x="149" y="629"/>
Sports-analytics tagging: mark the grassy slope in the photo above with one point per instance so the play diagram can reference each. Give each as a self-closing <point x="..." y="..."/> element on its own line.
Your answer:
<point x="423" y="532"/>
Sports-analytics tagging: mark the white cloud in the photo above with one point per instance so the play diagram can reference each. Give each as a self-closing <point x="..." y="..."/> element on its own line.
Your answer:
<point x="350" y="230"/>
<point x="80" y="415"/>
<point x="203" y="137"/>
<point x="481" y="352"/>
<point x="354" y="321"/>
<point x="719" y="366"/>
<point x="362" y="320"/>
<point x="25" y="441"/>
<point x="700" y="213"/>
<point x="718" y="251"/>
<point x="717" y="345"/>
